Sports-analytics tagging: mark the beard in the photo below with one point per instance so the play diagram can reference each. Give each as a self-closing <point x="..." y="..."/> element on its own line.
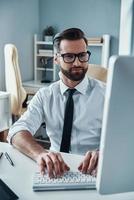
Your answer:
<point x="75" y="73"/>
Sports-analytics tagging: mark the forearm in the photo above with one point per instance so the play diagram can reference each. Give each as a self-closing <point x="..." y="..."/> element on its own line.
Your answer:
<point x="26" y="144"/>
<point x="51" y="161"/>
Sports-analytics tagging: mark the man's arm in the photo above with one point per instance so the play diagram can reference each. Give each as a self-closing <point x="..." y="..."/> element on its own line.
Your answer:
<point x="26" y="143"/>
<point x="52" y="162"/>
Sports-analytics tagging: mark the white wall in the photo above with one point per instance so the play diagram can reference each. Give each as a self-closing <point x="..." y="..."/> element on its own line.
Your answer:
<point x="125" y="39"/>
<point x="94" y="17"/>
<point x="19" y="20"/>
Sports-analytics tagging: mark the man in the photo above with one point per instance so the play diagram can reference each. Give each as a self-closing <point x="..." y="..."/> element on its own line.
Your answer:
<point x="48" y="105"/>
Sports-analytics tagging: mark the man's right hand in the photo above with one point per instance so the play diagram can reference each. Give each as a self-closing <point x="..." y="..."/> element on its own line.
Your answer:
<point x="52" y="163"/>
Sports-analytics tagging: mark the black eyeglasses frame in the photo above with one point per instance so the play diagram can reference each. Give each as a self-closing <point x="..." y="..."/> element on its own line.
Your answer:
<point x="75" y="55"/>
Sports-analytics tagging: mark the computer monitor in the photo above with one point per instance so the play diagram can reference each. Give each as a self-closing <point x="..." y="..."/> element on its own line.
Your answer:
<point x="116" y="160"/>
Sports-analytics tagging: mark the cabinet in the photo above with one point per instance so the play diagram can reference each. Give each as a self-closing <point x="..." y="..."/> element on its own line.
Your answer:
<point x="5" y="111"/>
<point x="43" y="60"/>
<point x="46" y="71"/>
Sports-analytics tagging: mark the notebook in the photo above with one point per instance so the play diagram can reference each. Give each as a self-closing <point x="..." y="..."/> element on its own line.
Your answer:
<point x="6" y="193"/>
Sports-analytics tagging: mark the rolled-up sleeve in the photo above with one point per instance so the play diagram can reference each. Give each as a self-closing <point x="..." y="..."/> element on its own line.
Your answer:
<point x="31" y="119"/>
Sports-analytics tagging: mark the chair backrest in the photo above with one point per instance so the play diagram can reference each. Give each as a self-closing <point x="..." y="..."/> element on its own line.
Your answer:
<point x="97" y="72"/>
<point x="13" y="79"/>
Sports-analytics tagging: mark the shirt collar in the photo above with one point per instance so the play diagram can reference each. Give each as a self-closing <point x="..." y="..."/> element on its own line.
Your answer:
<point x="81" y="87"/>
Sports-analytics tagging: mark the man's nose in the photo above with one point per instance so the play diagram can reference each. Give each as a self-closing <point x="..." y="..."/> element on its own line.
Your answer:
<point x="76" y="61"/>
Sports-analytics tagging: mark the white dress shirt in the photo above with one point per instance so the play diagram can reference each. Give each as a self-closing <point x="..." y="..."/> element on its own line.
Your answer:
<point x="48" y="106"/>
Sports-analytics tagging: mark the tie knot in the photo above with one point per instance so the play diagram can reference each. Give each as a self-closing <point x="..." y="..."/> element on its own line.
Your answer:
<point x="71" y="91"/>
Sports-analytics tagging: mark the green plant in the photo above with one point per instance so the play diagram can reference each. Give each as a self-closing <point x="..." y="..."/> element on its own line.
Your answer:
<point x="49" y="31"/>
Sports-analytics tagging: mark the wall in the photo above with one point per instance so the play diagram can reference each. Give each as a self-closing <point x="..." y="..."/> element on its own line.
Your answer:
<point x="19" y="20"/>
<point x="133" y="32"/>
<point x="95" y="17"/>
<point x="126" y="21"/>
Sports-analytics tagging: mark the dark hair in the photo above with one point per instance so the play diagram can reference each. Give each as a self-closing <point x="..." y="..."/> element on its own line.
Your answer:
<point x="69" y="34"/>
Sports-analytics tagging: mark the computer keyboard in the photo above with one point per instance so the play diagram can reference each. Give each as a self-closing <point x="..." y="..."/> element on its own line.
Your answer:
<point x="69" y="181"/>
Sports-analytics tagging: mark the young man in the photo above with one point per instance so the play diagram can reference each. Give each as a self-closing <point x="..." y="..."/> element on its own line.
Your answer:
<point x="76" y="130"/>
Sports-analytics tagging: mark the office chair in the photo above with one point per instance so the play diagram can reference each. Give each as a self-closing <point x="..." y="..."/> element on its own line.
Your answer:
<point x="13" y="79"/>
<point x="98" y="72"/>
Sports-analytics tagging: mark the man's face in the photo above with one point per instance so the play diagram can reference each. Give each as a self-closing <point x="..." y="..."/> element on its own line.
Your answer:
<point x="76" y="70"/>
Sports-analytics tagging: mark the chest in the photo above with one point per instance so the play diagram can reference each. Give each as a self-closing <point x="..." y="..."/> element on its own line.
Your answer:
<point x="87" y="110"/>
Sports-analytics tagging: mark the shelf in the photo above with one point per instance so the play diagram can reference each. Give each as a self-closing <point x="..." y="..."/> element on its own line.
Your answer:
<point x="44" y="69"/>
<point x="43" y="42"/>
<point x="43" y="59"/>
<point x="95" y="45"/>
<point x="43" y="55"/>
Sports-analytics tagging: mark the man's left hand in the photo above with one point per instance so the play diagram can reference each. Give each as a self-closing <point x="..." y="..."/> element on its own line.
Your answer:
<point x="90" y="163"/>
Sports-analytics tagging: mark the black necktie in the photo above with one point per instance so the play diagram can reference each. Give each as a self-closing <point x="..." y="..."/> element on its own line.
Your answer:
<point x="68" y="120"/>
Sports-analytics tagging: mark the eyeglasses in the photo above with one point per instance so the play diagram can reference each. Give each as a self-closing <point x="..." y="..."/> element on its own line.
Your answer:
<point x="70" y="57"/>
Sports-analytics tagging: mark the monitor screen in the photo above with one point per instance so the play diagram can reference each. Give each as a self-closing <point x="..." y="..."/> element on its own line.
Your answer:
<point x="116" y="162"/>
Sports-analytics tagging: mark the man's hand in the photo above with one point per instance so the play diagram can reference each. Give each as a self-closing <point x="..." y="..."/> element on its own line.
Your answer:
<point x="52" y="163"/>
<point x="47" y="161"/>
<point x="90" y="162"/>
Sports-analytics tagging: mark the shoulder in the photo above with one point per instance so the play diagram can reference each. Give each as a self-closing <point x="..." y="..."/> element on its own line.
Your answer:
<point x="98" y="85"/>
<point x="45" y="93"/>
<point x="48" y="91"/>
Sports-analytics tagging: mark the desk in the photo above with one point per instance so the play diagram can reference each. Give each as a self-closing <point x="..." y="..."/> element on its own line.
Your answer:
<point x="19" y="178"/>
<point x="33" y="86"/>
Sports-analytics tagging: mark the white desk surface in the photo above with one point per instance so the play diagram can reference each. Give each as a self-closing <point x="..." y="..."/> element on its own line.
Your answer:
<point x="19" y="179"/>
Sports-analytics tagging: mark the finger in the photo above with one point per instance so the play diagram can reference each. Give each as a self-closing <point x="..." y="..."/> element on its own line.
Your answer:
<point x="56" y="164"/>
<point x="49" y="165"/>
<point x="80" y="166"/>
<point x="42" y="168"/>
<point x="42" y="165"/>
<point x="86" y="162"/>
<point x="93" y="162"/>
<point x="94" y="172"/>
<point x="63" y="165"/>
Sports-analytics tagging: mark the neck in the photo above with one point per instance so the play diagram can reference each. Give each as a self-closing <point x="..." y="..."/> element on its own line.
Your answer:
<point x="68" y="82"/>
